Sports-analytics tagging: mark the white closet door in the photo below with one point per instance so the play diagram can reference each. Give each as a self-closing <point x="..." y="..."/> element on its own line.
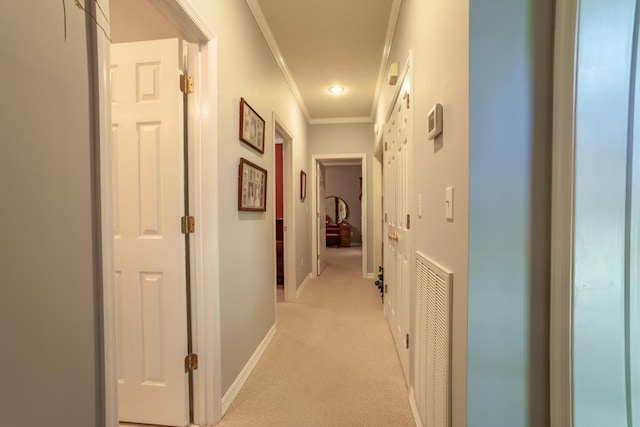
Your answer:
<point x="149" y="245"/>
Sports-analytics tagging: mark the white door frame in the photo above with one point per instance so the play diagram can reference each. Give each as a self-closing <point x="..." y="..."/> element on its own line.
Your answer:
<point x="204" y="245"/>
<point x="315" y="159"/>
<point x="321" y="262"/>
<point x="289" y="213"/>
<point x="562" y="214"/>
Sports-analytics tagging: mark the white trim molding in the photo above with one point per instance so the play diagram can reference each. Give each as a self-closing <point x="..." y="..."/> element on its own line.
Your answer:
<point x="382" y="73"/>
<point x="103" y="70"/>
<point x="340" y="120"/>
<point x="256" y="10"/>
<point x="241" y="379"/>
<point x="414" y="408"/>
<point x="404" y="73"/>
<point x="320" y="158"/>
<point x="562" y="215"/>
<point x="289" y="197"/>
<point x="183" y="15"/>
<point x="261" y="20"/>
<point x="205" y="280"/>
<point x="335" y="162"/>
<point x="304" y="284"/>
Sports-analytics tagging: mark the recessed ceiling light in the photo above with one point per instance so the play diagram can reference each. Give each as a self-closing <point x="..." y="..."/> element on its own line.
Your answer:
<point x="336" y="90"/>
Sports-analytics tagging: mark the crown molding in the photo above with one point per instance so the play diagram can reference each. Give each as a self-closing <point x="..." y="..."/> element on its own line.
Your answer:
<point x="391" y="29"/>
<point x="341" y="120"/>
<point x="256" y="10"/>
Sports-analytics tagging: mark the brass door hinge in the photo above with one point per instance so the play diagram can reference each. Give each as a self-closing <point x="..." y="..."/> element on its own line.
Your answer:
<point x="406" y="341"/>
<point x="318" y="257"/>
<point x="188" y="224"/>
<point x="190" y="362"/>
<point x="408" y="222"/>
<point x="385" y="217"/>
<point x="386" y="288"/>
<point x="186" y="84"/>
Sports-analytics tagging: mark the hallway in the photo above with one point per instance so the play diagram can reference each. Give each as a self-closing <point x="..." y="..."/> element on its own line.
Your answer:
<point x="332" y="361"/>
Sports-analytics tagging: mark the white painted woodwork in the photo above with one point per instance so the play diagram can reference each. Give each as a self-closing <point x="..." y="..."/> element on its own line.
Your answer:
<point x="397" y="266"/>
<point x="606" y="202"/>
<point x="148" y="197"/>
<point x="341" y="158"/>
<point x="321" y="218"/>
<point x="432" y="343"/>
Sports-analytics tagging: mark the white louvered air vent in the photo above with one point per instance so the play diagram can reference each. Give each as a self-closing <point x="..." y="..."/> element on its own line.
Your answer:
<point x="432" y="361"/>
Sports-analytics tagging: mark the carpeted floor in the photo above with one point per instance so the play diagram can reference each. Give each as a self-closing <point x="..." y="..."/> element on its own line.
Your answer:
<point x="332" y="361"/>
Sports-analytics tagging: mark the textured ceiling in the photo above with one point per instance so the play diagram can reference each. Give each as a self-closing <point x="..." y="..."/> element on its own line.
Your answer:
<point x="325" y="42"/>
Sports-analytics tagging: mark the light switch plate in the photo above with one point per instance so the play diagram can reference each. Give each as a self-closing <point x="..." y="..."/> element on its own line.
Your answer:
<point x="448" y="202"/>
<point x="434" y="121"/>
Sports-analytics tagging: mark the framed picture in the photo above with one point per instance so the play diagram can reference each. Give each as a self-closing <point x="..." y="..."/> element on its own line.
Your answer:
<point x="251" y="127"/>
<point x="303" y="185"/>
<point x="252" y="187"/>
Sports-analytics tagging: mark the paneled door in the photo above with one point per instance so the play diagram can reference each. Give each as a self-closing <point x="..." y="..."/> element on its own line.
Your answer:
<point x="321" y="216"/>
<point x="148" y="171"/>
<point x="397" y="188"/>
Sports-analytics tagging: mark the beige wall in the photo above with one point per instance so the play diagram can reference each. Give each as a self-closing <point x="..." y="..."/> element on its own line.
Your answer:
<point x="499" y="87"/>
<point x="349" y="138"/>
<point x="510" y="105"/>
<point x="437" y="31"/>
<point x="133" y="21"/>
<point x="489" y="64"/>
<point x="246" y="68"/>
<point x="50" y="363"/>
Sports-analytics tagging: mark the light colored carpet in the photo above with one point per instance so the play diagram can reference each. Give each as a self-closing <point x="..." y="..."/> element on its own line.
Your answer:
<point x="332" y="361"/>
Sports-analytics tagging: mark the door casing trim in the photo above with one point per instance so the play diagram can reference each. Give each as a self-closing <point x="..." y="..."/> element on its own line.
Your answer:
<point x="289" y="212"/>
<point x="205" y="250"/>
<point x="315" y="159"/>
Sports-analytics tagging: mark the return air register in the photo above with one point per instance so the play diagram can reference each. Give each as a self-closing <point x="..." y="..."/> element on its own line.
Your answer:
<point x="432" y="362"/>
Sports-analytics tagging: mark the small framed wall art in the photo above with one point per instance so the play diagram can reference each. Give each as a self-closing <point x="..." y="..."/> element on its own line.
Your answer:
<point x="251" y="127"/>
<point x="252" y="187"/>
<point x="303" y="185"/>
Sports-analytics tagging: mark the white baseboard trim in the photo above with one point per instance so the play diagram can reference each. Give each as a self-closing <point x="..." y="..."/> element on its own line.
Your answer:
<point x="235" y="388"/>
<point x="304" y="284"/>
<point x="414" y="408"/>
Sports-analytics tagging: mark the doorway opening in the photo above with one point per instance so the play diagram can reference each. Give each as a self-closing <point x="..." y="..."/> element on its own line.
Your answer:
<point x="285" y="220"/>
<point x="136" y="166"/>
<point x="279" y="157"/>
<point x="339" y="200"/>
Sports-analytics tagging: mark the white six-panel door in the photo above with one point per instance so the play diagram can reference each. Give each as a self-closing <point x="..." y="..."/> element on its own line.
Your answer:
<point x="149" y="246"/>
<point x="397" y="188"/>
